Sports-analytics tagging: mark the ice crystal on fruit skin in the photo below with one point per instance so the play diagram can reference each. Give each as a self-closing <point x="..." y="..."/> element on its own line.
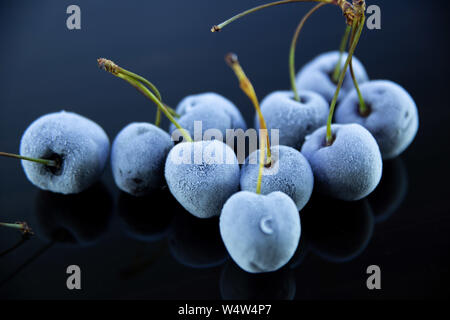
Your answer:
<point x="202" y="175"/>
<point x="260" y="232"/>
<point x="214" y="110"/>
<point x="78" y="143"/>
<point x="292" y="175"/>
<point x="294" y="120"/>
<point x="138" y="155"/>
<point x="393" y="119"/>
<point x="350" y="169"/>
<point x="316" y="75"/>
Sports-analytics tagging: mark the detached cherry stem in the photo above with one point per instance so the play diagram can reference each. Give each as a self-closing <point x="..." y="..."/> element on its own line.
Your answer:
<point x="50" y="163"/>
<point x="359" y="26"/>
<point x="294" y="45"/>
<point x="22" y="226"/>
<point x="134" y="80"/>
<point x="247" y="87"/>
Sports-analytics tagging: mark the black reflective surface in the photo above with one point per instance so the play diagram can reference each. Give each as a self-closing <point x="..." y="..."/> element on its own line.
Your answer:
<point x="151" y="248"/>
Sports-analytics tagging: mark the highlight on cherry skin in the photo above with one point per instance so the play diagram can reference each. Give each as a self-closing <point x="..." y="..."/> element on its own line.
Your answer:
<point x="138" y="155"/>
<point x="289" y="173"/>
<point x="213" y="110"/>
<point x="63" y="152"/>
<point x="317" y="75"/>
<point x="202" y="175"/>
<point x="260" y="232"/>
<point x="392" y="115"/>
<point x="350" y="168"/>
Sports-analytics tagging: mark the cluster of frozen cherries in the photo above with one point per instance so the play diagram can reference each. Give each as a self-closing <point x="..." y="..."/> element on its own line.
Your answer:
<point x="66" y="153"/>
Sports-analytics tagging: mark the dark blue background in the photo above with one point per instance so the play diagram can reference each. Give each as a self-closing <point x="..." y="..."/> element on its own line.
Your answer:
<point x="45" y="67"/>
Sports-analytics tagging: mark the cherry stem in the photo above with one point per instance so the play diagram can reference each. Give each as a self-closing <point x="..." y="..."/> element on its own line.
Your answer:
<point x="363" y="110"/>
<point x="294" y="45"/>
<point x="158" y="117"/>
<point x="337" y="69"/>
<point x="158" y="114"/>
<point x="113" y="68"/>
<point x="261" y="160"/>
<point x="143" y="89"/>
<point x="22" y="226"/>
<point x="219" y="27"/>
<point x="117" y="69"/>
<point x="50" y="163"/>
<point x="359" y="24"/>
<point x="172" y="112"/>
<point x="247" y="87"/>
<point x="155" y="97"/>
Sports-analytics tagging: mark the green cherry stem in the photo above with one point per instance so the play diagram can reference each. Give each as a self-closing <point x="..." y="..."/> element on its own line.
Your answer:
<point x="22" y="226"/>
<point x="172" y="112"/>
<point x="50" y="163"/>
<point x="262" y="148"/>
<point x="363" y="109"/>
<point x="155" y="92"/>
<point x="158" y="114"/>
<point x="294" y="45"/>
<point x="219" y="27"/>
<point x="247" y="87"/>
<point x="142" y="79"/>
<point x="110" y="66"/>
<point x="113" y="68"/>
<point x="360" y="26"/>
<point x="344" y="41"/>
<point x="158" y="117"/>
<point x="134" y="80"/>
<point x="143" y="89"/>
<point x="264" y="141"/>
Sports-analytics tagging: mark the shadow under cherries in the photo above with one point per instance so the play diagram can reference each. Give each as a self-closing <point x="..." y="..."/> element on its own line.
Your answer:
<point x="147" y="218"/>
<point x="337" y="231"/>
<point x="392" y="190"/>
<point x="77" y="220"/>
<point x="195" y="242"/>
<point x="237" y="284"/>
